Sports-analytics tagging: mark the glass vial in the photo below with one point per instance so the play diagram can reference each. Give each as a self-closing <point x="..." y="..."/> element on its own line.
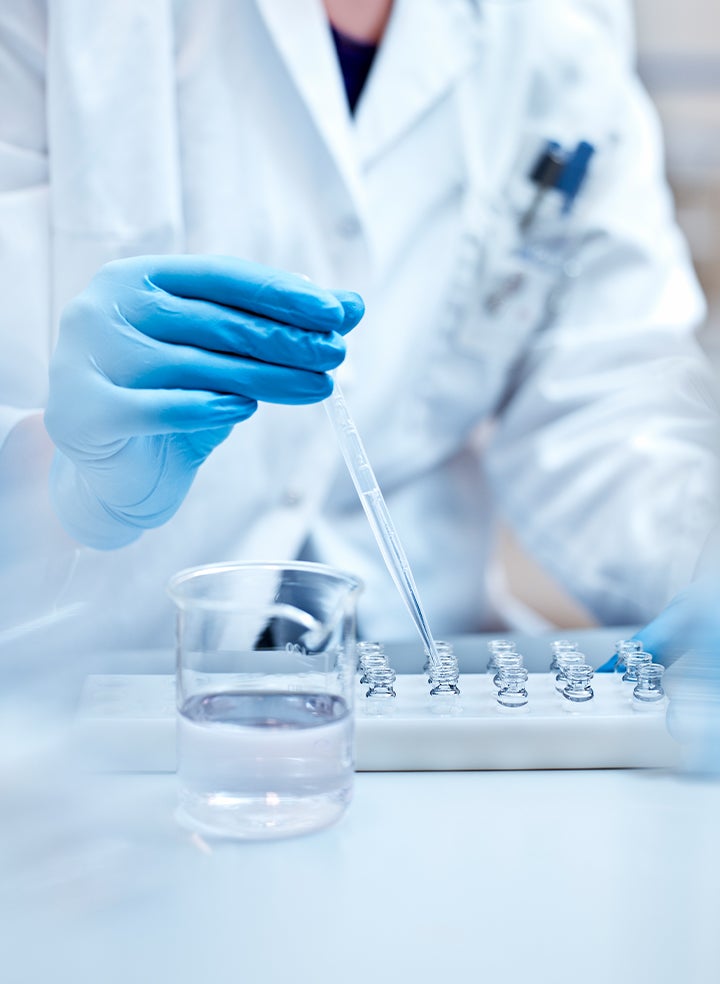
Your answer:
<point x="496" y="646"/>
<point x="565" y="660"/>
<point x="633" y="663"/>
<point x="444" y="678"/>
<point x="512" y="693"/>
<point x="560" y="646"/>
<point x="648" y="693"/>
<point x="381" y="680"/>
<point x="369" y="653"/>
<point x="365" y="649"/>
<point x="440" y="647"/>
<point x="577" y="683"/>
<point x="622" y="648"/>
<point x="506" y="661"/>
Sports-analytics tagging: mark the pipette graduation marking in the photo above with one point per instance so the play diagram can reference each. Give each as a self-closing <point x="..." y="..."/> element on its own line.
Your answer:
<point x="376" y="510"/>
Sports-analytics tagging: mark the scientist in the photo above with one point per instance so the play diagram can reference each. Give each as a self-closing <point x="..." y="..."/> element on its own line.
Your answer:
<point x="171" y="172"/>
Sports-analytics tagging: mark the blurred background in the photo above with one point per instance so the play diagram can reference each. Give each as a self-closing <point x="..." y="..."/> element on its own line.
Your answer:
<point x="679" y="62"/>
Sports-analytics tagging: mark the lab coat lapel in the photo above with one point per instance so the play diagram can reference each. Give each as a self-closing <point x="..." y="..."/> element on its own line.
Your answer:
<point x="428" y="45"/>
<point x="300" y="31"/>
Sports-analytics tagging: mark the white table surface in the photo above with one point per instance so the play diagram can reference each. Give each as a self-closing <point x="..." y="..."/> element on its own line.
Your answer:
<point x="607" y="876"/>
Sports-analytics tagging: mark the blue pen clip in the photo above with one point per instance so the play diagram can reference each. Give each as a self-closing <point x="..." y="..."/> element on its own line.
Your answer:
<point x="545" y="174"/>
<point x="573" y="175"/>
<point x="549" y="165"/>
<point x="561" y="171"/>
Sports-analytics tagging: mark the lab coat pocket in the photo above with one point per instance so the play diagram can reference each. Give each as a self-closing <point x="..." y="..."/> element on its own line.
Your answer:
<point x="506" y="289"/>
<point x="511" y="281"/>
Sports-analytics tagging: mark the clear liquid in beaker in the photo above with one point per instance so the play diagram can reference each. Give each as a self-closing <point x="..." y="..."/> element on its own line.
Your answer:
<point x="264" y="764"/>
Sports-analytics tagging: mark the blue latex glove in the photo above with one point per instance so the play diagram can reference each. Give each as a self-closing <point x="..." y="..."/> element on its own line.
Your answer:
<point x="685" y="637"/>
<point x="157" y="360"/>
<point x="688" y="622"/>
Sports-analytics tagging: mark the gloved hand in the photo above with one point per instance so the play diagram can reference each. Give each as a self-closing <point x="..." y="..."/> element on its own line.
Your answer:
<point x="157" y="360"/>
<point x="686" y="638"/>
<point x="690" y="621"/>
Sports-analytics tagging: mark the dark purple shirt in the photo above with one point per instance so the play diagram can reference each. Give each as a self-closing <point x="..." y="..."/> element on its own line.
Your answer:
<point x="356" y="58"/>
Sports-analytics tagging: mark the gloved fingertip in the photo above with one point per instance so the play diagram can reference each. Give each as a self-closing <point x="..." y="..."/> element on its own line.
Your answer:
<point x="235" y="408"/>
<point x="353" y="308"/>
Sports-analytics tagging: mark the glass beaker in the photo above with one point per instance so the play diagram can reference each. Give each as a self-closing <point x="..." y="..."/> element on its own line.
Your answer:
<point x="265" y="686"/>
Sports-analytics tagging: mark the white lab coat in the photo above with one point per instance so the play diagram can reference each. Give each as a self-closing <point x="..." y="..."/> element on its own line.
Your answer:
<point x="221" y="126"/>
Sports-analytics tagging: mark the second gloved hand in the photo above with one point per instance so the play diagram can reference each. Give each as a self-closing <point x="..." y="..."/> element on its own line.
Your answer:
<point x="686" y="638"/>
<point x="157" y="360"/>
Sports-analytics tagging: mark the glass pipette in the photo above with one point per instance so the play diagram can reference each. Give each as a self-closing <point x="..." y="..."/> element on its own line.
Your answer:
<point x="376" y="510"/>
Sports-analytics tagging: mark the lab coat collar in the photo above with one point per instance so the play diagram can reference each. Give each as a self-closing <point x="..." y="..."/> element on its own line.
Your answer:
<point x="300" y="32"/>
<point x="428" y="45"/>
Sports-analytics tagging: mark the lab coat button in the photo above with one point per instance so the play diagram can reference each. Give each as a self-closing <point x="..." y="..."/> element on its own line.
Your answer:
<point x="292" y="498"/>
